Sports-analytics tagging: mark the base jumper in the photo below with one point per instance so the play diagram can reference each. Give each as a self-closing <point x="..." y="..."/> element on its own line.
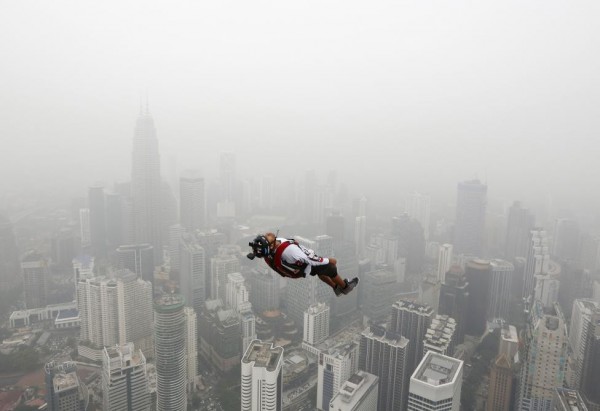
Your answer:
<point x="290" y="259"/>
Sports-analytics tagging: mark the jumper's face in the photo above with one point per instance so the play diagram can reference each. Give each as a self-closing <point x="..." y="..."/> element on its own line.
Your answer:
<point x="271" y="240"/>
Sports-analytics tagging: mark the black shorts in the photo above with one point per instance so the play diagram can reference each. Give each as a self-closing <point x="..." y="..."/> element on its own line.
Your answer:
<point x="328" y="270"/>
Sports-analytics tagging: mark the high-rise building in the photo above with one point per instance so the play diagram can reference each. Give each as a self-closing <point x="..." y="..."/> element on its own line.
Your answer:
<point x="83" y="268"/>
<point x="543" y="359"/>
<point x="411" y="320"/>
<point x="470" y="218"/>
<point x="248" y="326"/>
<point x="301" y="294"/>
<point x="566" y="239"/>
<point x="316" y="324"/>
<point x="176" y="232"/>
<point x="146" y="187"/>
<point x="262" y="377"/>
<point x="384" y="355"/>
<point x="501" y="384"/>
<point x="509" y="342"/>
<point x="408" y="233"/>
<point x="192" y="202"/>
<point x="501" y="276"/>
<point x="336" y="365"/>
<point x="436" y="384"/>
<point x="192" y="275"/>
<point x="114" y="220"/>
<point x="220" y="335"/>
<point x="134" y="299"/>
<point x="536" y="260"/>
<point x="191" y="346"/>
<point x="378" y="291"/>
<point x="547" y="286"/>
<point x="444" y="261"/>
<point x="221" y="265"/>
<point x="591" y="367"/>
<point x="440" y="336"/>
<point x="35" y="279"/>
<point x="581" y="330"/>
<point x="170" y="349"/>
<point x="84" y="227"/>
<point x="520" y="223"/>
<point x="9" y="256"/>
<point x="236" y="293"/>
<point x="64" y="246"/>
<point x="213" y="243"/>
<point x="97" y="220"/>
<point x="418" y="206"/>
<point x="478" y="275"/>
<point x="264" y="290"/>
<point x="568" y="400"/>
<point x="454" y="300"/>
<point x="64" y="391"/>
<point x="138" y="258"/>
<point x="360" y="234"/>
<point x="358" y="393"/>
<point x="124" y="379"/>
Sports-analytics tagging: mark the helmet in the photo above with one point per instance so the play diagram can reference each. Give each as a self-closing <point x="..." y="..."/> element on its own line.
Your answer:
<point x="260" y="247"/>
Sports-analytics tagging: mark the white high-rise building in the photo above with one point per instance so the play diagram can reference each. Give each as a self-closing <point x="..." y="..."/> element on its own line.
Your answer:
<point x="579" y="333"/>
<point x="84" y="227"/>
<point x="83" y="268"/>
<point x="192" y="274"/>
<point x="316" y="324"/>
<point x="236" y="292"/>
<point x="444" y="261"/>
<point x="547" y="284"/>
<point x="97" y="302"/>
<point x="262" y="377"/>
<point x="336" y="365"/>
<point x="191" y="346"/>
<point x="509" y="342"/>
<point x="502" y="273"/>
<point x="436" y="384"/>
<point x="418" y="206"/>
<point x="223" y="264"/>
<point x="536" y="260"/>
<point x="360" y="234"/>
<point x="248" y="325"/>
<point x="124" y="379"/>
<point x="358" y="393"/>
<point x="134" y="297"/>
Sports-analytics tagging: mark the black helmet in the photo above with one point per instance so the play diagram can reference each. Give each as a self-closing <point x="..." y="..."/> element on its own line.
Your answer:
<point x="260" y="247"/>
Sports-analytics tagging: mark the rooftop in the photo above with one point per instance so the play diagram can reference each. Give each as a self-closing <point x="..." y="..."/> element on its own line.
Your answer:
<point x="570" y="400"/>
<point x="436" y="369"/>
<point x="167" y="302"/>
<point x="354" y="389"/>
<point x="263" y="355"/>
<point x="63" y="382"/>
<point x="413" y="307"/>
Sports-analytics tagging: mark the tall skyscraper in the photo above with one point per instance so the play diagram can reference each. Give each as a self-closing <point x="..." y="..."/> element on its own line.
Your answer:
<point x="544" y="358"/>
<point x="176" y="232"/>
<point x="64" y="391"/>
<point x="221" y="265"/>
<point x="454" y="300"/>
<point x="316" y="324"/>
<point x="264" y="290"/>
<point x="501" y="277"/>
<point x="134" y="299"/>
<point x="192" y="276"/>
<point x="377" y="293"/>
<point x="412" y="320"/>
<point x="262" y="377"/>
<point x="566" y="239"/>
<point x="124" y="379"/>
<point x="9" y="256"/>
<point x="520" y="223"/>
<point x="146" y="185"/>
<point x="470" y="218"/>
<point x="138" y="258"/>
<point x="170" y="349"/>
<point x="115" y="221"/>
<point x="336" y="365"/>
<point x="191" y="346"/>
<point x="220" y="335"/>
<point x="591" y="367"/>
<point x="436" y="384"/>
<point x="581" y="330"/>
<point x="97" y="220"/>
<point x="192" y="202"/>
<point x="444" y="261"/>
<point x="536" y="260"/>
<point x="501" y="384"/>
<point x="384" y="354"/>
<point x="478" y="274"/>
<point x="358" y="393"/>
<point x="360" y="234"/>
<point x="418" y="206"/>
<point x="547" y="287"/>
<point x="35" y="279"/>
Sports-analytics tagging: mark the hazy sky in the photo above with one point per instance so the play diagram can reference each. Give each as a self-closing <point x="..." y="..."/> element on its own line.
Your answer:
<point x="400" y="93"/>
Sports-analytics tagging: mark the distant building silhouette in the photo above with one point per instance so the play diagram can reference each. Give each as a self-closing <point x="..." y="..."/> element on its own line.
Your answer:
<point x="470" y="218"/>
<point x="520" y="223"/>
<point x="35" y="279"/>
<point x="192" y="201"/>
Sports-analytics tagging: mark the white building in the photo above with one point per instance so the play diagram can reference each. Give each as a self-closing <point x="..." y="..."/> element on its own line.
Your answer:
<point x="83" y="268"/>
<point x="261" y="384"/>
<point x="547" y="284"/>
<point x="579" y="334"/>
<point x="236" y="293"/>
<point x="336" y="365"/>
<point x="358" y="393"/>
<point x="124" y="379"/>
<point x="436" y="384"/>
<point x="191" y="346"/>
<point x="444" y="261"/>
<point x="221" y="266"/>
<point x="316" y="324"/>
<point x="509" y="343"/>
<point x="536" y="260"/>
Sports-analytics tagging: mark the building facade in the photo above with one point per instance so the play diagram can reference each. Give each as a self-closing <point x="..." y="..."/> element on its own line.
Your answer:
<point x="124" y="379"/>
<point x="262" y="379"/>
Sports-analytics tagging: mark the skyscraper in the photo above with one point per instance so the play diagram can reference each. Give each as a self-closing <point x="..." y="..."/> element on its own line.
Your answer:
<point x="192" y="203"/>
<point x="536" y="260"/>
<point x="35" y="279"/>
<point x="97" y="220"/>
<point x="544" y="358"/>
<point x="64" y="391"/>
<point x="170" y="349"/>
<point x="444" y="261"/>
<point x="192" y="276"/>
<point x="454" y="300"/>
<point x="114" y="221"/>
<point x="378" y="291"/>
<point x="411" y="320"/>
<point x="9" y="256"/>
<point x="418" y="206"/>
<point x="581" y="330"/>
<point x="501" y="384"/>
<point x="591" y="368"/>
<point x="220" y="335"/>
<point x="316" y="324"/>
<point x="124" y="379"/>
<point x="384" y="354"/>
<point x="470" y="218"/>
<point x="336" y="365"/>
<point x="146" y="185"/>
<point x="568" y="400"/>
<point x="84" y="227"/>
<point x="191" y="346"/>
<point x="138" y="258"/>
<point x="358" y="393"/>
<point x="566" y="239"/>
<point x="221" y="265"/>
<point x="262" y="377"/>
<point x="436" y="384"/>
<point x="478" y="274"/>
<point x="520" y="223"/>
<point x="134" y="299"/>
<point x="501" y="276"/>
<point x="264" y="290"/>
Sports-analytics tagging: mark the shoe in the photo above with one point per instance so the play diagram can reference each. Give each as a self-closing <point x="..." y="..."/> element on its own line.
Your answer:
<point x="350" y="285"/>
<point x="337" y="290"/>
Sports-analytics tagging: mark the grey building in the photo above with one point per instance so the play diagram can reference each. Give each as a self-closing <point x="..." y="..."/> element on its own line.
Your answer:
<point x="192" y="201"/>
<point x="519" y="224"/>
<point x="124" y="379"/>
<point x="411" y="320"/>
<point x="379" y="291"/>
<point x="35" y="279"/>
<point x="9" y="256"/>
<point x="64" y="391"/>
<point x="454" y="300"/>
<point x="97" y="208"/>
<point x="138" y="258"/>
<point x="192" y="275"/>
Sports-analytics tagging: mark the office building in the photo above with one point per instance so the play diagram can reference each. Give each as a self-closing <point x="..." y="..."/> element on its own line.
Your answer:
<point x="501" y="384"/>
<point x="471" y="205"/>
<point x="500" y="282"/>
<point x="264" y="290"/>
<point x="509" y="342"/>
<point x="170" y="351"/>
<point x="192" y="272"/>
<point x="124" y="379"/>
<point x="441" y="336"/>
<point x="302" y="294"/>
<point x="220" y="335"/>
<point x="83" y="268"/>
<point x="544" y="357"/>
<point x="358" y="393"/>
<point x="411" y="320"/>
<point x="35" y="279"/>
<point x="378" y="290"/>
<point x="436" y="384"/>
<point x="262" y="379"/>
<point x="192" y="202"/>
<point x="316" y="324"/>
<point x="454" y="300"/>
<point x="336" y="365"/>
<point x="115" y="220"/>
<point x="9" y="256"/>
<point x="134" y="307"/>
<point x="520" y="222"/>
<point x="138" y="258"/>
<point x="547" y="286"/>
<point x="84" y="227"/>
<point x="566" y="240"/>
<point x="191" y="346"/>
<point x="176" y="232"/>
<point x="146" y="189"/>
<point x="223" y="264"/>
<point x="384" y="354"/>
<point x="64" y="391"/>
<point x="444" y="261"/>
<point x="478" y="275"/>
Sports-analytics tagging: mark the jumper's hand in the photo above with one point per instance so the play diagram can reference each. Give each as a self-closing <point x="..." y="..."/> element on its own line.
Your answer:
<point x="332" y="260"/>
